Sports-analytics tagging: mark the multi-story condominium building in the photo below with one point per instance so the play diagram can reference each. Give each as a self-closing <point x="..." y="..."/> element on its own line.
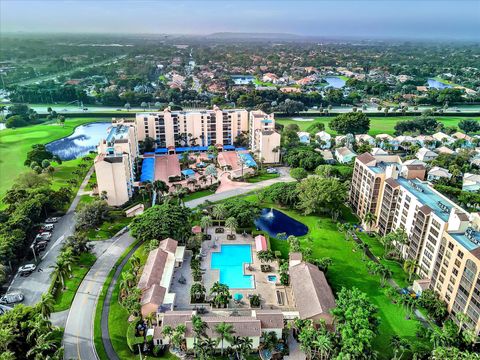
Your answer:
<point x="396" y="193"/>
<point x="192" y="128"/>
<point x="456" y="273"/>
<point x="114" y="164"/>
<point x="264" y="140"/>
<point x="177" y="132"/>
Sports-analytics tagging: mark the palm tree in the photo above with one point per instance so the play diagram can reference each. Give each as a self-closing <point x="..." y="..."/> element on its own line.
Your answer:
<point x="323" y="345"/>
<point x="409" y="266"/>
<point x="369" y="220"/>
<point x="246" y="346"/>
<point x="206" y="222"/>
<point x="225" y="331"/>
<point x="231" y="224"/>
<point x="61" y="271"/>
<point x="46" y="305"/>
<point x="167" y="331"/>
<point x="219" y="211"/>
<point x="363" y="247"/>
<point x="43" y="343"/>
<point x="462" y="318"/>
<point x="178" y="335"/>
<point x="199" y="328"/>
<point x="385" y="273"/>
<point x="197" y="291"/>
<point x="151" y="319"/>
<point x="207" y="349"/>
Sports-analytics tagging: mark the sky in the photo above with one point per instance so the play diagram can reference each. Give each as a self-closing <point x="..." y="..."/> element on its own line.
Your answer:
<point x="412" y="19"/>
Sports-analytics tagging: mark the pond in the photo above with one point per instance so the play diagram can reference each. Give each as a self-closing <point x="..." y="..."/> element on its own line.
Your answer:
<point x="275" y="222"/>
<point x="242" y="79"/>
<point x="435" y="84"/>
<point x="84" y="139"/>
<point x="335" y="82"/>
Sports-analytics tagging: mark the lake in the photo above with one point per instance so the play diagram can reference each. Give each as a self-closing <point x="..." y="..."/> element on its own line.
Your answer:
<point x="242" y="79"/>
<point x="435" y="84"/>
<point x="275" y="222"/>
<point x="84" y="139"/>
<point x="335" y="82"/>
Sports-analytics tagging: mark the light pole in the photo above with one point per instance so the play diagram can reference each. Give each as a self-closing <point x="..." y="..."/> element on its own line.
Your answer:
<point x="33" y="250"/>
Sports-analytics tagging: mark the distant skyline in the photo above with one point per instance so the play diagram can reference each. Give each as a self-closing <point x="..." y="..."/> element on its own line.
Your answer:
<point x="399" y="19"/>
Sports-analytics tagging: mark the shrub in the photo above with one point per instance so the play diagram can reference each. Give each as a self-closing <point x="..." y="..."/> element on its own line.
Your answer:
<point x="132" y="339"/>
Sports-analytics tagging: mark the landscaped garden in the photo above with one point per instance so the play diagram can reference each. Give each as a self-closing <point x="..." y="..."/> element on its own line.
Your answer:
<point x="349" y="270"/>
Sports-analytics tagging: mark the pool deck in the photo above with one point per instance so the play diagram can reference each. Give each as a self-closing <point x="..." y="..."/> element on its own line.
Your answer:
<point x="266" y="289"/>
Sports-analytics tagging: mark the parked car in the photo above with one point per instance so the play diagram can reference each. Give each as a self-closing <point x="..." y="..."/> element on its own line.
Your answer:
<point x="47" y="227"/>
<point x="11" y="298"/>
<point x="272" y="171"/>
<point x="41" y="245"/>
<point x="44" y="236"/>
<point x="52" y="220"/>
<point x="27" y="269"/>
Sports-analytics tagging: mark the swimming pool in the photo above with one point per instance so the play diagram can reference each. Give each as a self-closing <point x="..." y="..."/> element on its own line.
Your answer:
<point x="230" y="262"/>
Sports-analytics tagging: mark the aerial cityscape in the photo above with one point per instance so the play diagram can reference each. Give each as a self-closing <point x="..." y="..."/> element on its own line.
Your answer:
<point x="240" y="180"/>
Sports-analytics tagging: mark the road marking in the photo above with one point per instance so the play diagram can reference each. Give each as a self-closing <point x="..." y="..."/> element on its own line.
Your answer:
<point x="59" y="240"/>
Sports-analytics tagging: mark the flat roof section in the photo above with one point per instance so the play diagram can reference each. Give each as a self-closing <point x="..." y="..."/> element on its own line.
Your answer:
<point x="464" y="241"/>
<point x="166" y="166"/>
<point x="427" y="196"/>
<point x="117" y="132"/>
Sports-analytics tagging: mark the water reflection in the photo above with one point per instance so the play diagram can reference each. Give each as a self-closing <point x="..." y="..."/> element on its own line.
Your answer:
<point x="81" y="142"/>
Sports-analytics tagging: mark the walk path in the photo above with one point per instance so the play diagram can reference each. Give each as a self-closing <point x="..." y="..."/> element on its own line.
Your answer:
<point x="248" y="187"/>
<point x="38" y="283"/>
<point x="78" y="336"/>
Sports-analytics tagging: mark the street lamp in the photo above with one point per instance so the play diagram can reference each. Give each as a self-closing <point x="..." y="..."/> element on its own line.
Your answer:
<point x="33" y="250"/>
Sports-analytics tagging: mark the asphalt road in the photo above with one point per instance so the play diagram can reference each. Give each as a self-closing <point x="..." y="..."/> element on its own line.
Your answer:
<point x="78" y="336"/>
<point x="34" y="285"/>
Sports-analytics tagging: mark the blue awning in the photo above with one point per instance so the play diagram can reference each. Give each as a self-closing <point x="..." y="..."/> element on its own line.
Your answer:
<point x="228" y="147"/>
<point x="148" y="170"/>
<point x="161" y="151"/>
<point x="188" y="172"/>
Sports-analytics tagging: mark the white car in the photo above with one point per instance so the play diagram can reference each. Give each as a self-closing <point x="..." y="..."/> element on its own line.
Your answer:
<point x="26" y="270"/>
<point x="48" y="227"/>
<point x="11" y="298"/>
<point x="272" y="171"/>
<point x="52" y="220"/>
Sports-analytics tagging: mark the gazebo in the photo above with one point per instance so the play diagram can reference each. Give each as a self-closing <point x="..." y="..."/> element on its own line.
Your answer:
<point x="260" y="243"/>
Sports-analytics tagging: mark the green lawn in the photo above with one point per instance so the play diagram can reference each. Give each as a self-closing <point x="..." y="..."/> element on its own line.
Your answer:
<point x="262" y="177"/>
<point x="348" y="270"/>
<point x="198" y="195"/>
<point x="15" y="143"/>
<point x="63" y="299"/>
<point x="110" y="227"/>
<point x="378" y="125"/>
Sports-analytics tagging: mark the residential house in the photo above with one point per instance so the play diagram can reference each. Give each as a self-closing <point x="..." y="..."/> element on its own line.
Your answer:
<point x="344" y="155"/>
<point x="437" y="173"/>
<point x="251" y="326"/>
<point x="467" y="140"/>
<point x="471" y="182"/>
<point x="304" y="137"/>
<point x="365" y="138"/>
<point x="324" y="139"/>
<point x="425" y="154"/>
<point x="386" y="141"/>
<point x="378" y="151"/>
<point x="443" y="138"/>
<point x="426" y="141"/>
<point x="445" y="150"/>
<point x="327" y="156"/>
<point x="270" y="77"/>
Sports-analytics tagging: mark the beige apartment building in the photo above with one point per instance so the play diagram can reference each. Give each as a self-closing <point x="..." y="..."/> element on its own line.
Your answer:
<point x="396" y="193"/>
<point x="456" y="274"/>
<point x="114" y="164"/>
<point x="264" y="140"/>
<point x="192" y="128"/>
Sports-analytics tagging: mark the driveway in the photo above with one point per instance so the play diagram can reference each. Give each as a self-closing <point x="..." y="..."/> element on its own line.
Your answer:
<point x="247" y="187"/>
<point x="78" y="334"/>
<point x="34" y="285"/>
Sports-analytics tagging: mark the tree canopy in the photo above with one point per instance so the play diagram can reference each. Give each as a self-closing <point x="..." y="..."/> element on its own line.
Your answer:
<point x="316" y="194"/>
<point x="350" y="123"/>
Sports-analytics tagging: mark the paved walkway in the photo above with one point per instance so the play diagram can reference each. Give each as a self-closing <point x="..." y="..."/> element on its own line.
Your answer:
<point x="284" y="177"/>
<point x="38" y="283"/>
<point x="294" y="347"/>
<point x="78" y="335"/>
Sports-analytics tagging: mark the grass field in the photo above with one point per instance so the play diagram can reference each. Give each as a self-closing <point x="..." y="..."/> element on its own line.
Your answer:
<point x="378" y="125"/>
<point x="63" y="299"/>
<point x="15" y="143"/>
<point x="198" y="194"/>
<point x="262" y="177"/>
<point x="348" y="270"/>
<point x="110" y="227"/>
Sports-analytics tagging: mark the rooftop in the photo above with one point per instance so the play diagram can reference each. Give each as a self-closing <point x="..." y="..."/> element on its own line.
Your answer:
<point x="427" y="196"/>
<point x="118" y="132"/>
<point x="467" y="239"/>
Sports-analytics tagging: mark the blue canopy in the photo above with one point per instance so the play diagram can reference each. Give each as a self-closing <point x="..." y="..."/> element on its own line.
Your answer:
<point x="148" y="170"/>
<point x="161" y="151"/>
<point x="188" y="172"/>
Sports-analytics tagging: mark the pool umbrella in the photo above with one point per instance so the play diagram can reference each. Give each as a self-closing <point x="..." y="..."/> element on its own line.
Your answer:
<point x="237" y="297"/>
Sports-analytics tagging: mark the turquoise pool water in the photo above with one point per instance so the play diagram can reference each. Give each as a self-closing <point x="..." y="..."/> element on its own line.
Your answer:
<point x="230" y="262"/>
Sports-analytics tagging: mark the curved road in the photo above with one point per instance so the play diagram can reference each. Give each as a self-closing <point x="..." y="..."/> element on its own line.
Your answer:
<point x="78" y="336"/>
